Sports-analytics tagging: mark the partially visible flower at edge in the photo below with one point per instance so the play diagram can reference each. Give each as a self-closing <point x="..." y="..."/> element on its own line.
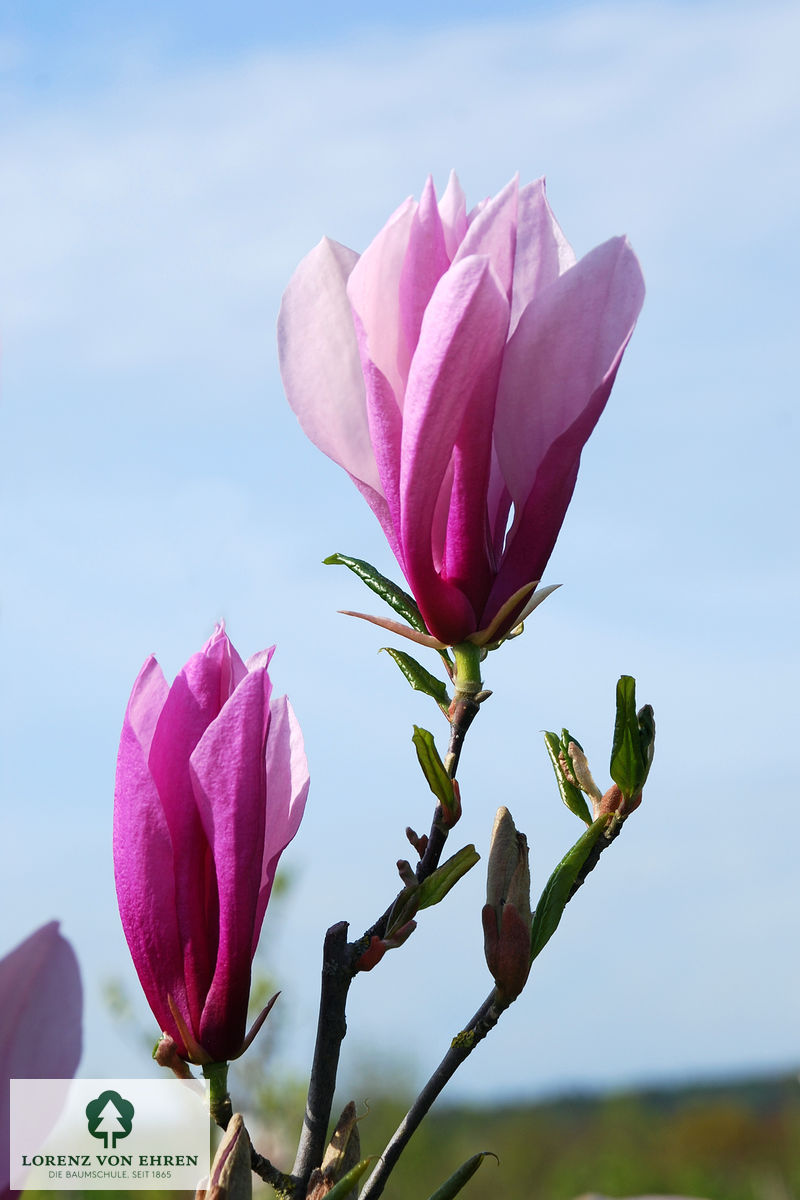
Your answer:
<point x="41" y="1001"/>
<point x="455" y="370"/>
<point x="211" y="786"/>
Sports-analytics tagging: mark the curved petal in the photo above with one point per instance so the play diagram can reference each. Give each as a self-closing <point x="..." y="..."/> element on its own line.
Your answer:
<point x="228" y="774"/>
<point x="319" y="360"/>
<point x="287" y="791"/>
<point x="374" y="292"/>
<point x="453" y="212"/>
<point x="41" y="1001"/>
<point x="144" y="874"/>
<point x="595" y="359"/>
<point x="425" y="262"/>
<point x="146" y="702"/>
<point x="385" y="425"/>
<point x="195" y="700"/>
<point x="542" y="251"/>
<point x="452" y="385"/>
<point x="493" y="232"/>
<point x="567" y="341"/>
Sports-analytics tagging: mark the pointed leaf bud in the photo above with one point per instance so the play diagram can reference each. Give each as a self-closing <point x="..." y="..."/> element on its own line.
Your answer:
<point x="344" y="1148"/>
<point x="440" y="783"/>
<point x="634" y="740"/>
<point x="558" y="750"/>
<point x="506" y="915"/>
<point x="460" y="1178"/>
<point x="231" y="1177"/>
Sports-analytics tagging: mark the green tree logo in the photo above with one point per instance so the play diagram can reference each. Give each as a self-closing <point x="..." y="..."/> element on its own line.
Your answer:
<point x="109" y="1117"/>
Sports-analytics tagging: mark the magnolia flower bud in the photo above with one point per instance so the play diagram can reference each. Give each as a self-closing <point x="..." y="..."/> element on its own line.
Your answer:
<point x="507" y="913"/>
<point x="211" y="786"/>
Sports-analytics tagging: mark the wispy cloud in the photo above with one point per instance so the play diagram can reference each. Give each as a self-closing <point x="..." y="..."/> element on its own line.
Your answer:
<point x="148" y="223"/>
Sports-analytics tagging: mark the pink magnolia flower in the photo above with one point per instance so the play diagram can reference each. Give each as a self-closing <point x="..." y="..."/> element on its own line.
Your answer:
<point x="40" y="1019"/>
<point x="211" y="786"/>
<point x="455" y="370"/>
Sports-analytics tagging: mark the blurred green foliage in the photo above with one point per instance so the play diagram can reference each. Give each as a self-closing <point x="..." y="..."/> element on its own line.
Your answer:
<point x="740" y="1141"/>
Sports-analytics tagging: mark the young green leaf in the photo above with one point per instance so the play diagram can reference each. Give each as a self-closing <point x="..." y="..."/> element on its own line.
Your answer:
<point x="400" y="601"/>
<point x="452" y="1186"/>
<point x="348" y="1182"/>
<point x="433" y="769"/>
<point x="420" y="679"/>
<point x="634" y="735"/>
<point x="436" y="886"/>
<point x="553" y="899"/>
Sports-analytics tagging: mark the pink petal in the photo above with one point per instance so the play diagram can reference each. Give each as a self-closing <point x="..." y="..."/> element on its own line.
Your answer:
<point x="374" y="292"/>
<point x="145" y="881"/>
<point x="287" y="791"/>
<point x="260" y="660"/>
<point x="542" y="251"/>
<point x="319" y="360"/>
<point x="493" y="232"/>
<point x="453" y="212"/>
<point x="498" y="505"/>
<point x="453" y="378"/>
<point x="146" y="702"/>
<point x="193" y="702"/>
<point x="229" y="783"/>
<point x="232" y="669"/>
<point x="558" y="373"/>
<point x="425" y="262"/>
<point x="385" y="428"/>
<point x="566" y="343"/>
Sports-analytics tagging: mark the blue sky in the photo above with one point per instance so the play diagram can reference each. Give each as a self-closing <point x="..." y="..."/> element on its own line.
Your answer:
<point x="161" y="174"/>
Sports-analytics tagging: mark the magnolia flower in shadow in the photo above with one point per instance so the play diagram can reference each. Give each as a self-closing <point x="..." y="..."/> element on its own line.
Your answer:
<point x="211" y="785"/>
<point x="41" y="1001"/>
<point x="455" y="370"/>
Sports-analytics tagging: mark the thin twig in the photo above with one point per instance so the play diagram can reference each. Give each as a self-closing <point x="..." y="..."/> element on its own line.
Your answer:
<point x="283" y="1184"/>
<point x="331" y="1027"/>
<point x="461" y="1047"/>
<point x="339" y="969"/>
<point x="464" y="711"/>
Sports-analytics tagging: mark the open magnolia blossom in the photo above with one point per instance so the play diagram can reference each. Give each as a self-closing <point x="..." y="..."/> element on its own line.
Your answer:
<point x="455" y="370"/>
<point x="211" y="785"/>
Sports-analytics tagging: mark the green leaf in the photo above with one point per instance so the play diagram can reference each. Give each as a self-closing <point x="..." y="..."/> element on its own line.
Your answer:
<point x="553" y="899"/>
<point x="420" y="679"/>
<point x="647" y="737"/>
<point x="570" y="794"/>
<point x="628" y="765"/>
<point x="400" y="601"/>
<point x="462" y="1176"/>
<point x="439" y="781"/>
<point x="404" y="909"/>
<point x="347" y="1183"/>
<point x="436" y="886"/>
